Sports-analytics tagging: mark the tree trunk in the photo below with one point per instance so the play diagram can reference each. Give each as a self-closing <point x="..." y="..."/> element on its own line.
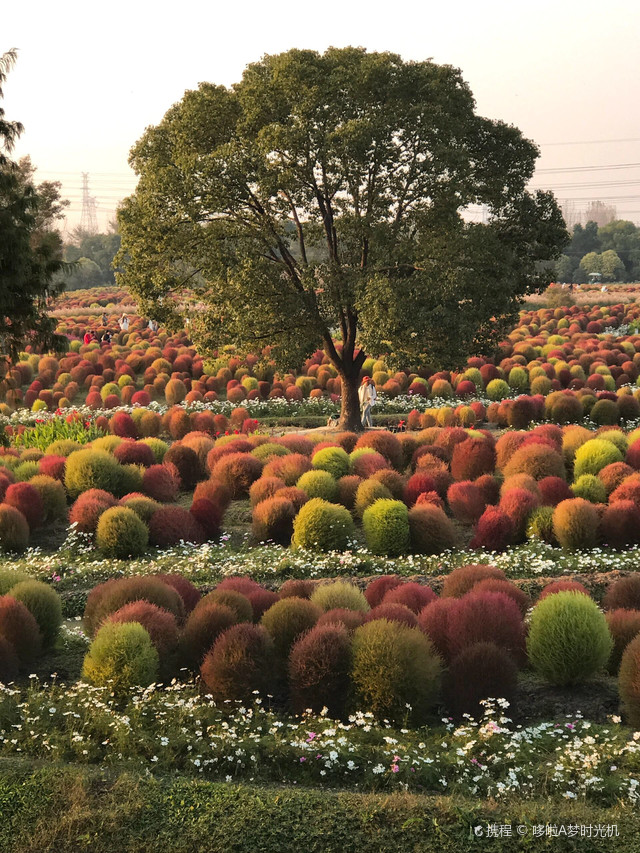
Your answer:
<point x="350" y="404"/>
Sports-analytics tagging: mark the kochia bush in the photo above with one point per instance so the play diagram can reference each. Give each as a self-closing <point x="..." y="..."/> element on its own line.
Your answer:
<point x="323" y="525"/>
<point x="121" y="533"/>
<point x="240" y="662"/>
<point x="575" y="524"/>
<point x="320" y="669"/>
<point x="123" y="656"/>
<point x="386" y="527"/>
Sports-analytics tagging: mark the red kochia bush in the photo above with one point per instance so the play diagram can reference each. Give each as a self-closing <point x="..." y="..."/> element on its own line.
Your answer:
<point x="160" y="484"/>
<point x="53" y="466"/>
<point x="319" y="670"/>
<point x="494" y="530"/>
<point x="562" y="586"/>
<point x="490" y="488"/>
<point x="378" y="588"/>
<point x="416" y="485"/>
<point x="297" y="588"/>
<point x="434" y="622"/>
<point x="237" y="472"/>
<point x="367" y="464"/>
<point x="518" y="504"/>
<point x="623" y="593"/>
<point x="160" y="624"/>
<point x="386" y="444"/>
<point x="554" y="490"/>
<point x="415" y="596"/>
<point x="624" y="626"/>
<point x="107" y="597"/>
<point x="186" y="461"/>
<point x="466" y="501"/>
<point x="87" y="510"/>
<point x="393" y="612"/>
<point x="628" y="490"/>
<point x="208" y="516"/>
<point x="20" y="629"/>
<point x="27" y="500"/>
<point x="472" y="458"/>
<point x="236" y="445"/>
<point x="464" y="578"/>
<point x="189" y="594"/>
<point x="134" y="453"/>
<point x="241" y="661"/>
<point x="620" y="524"/>
<point x="496" y="585"/>
<point x="261" y="600"/>
<point x="202" y="629"/>
<point x="123" y="424"/>
<point x="289" y="468"/>
<point x="487" y="617"/>
<point x="480" y="671"/>
<point x="172" y="524"/>
<point x="350" y="619"/>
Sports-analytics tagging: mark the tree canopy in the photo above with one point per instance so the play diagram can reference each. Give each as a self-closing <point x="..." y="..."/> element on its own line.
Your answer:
<point x="322" y="202"/>
<point x="30" y="251"/>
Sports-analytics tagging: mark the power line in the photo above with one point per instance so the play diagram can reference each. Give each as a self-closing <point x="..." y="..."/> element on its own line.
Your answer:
<point x="591" y="168"/>
<point x="590" y="142"/>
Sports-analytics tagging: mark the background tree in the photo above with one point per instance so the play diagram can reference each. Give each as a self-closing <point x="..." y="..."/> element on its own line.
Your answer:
<point x="30" y="254"/>
<point x="320" y="202"/>
<point x="92" y="256"/>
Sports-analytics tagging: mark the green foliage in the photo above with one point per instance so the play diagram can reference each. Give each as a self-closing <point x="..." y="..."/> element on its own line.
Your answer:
<point x="335" y="460"/>
<point x="394" y="666"/>
<point x="591" y="488"/>
<point x="14" y="530"/>
<point x="367" y="493"/>
<point x="11" y="577"/>
<point x="353" y="117"/>
<point x="123" y="656"/>
<point x="92" y="469"/>
<point x="498" y="389"/>
<point x="236" y="602"/>
<point x="323" y="525"/>
<point x="287" y="619"/>
<point x="42" y="435"/>
<point x="569" y="640"/>
<point x="386" y="527"/>
<point x="540" y="525"/>
<point x="45" y="606"/>
<point x="594" y="455"/>
<point x="339" y="595"/>
<point x="93" y="255"/>
<point x="318" y="484"/>
<point x="121" y="533"/>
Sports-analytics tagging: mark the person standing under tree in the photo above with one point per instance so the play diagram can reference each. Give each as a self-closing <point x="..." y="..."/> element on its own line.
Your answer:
<point x="367" y="396"/>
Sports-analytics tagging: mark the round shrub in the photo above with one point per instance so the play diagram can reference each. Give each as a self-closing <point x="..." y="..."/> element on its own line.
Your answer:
<point x="237" y="471"/>
<point x="365" y="461"/>
<point x="158" y="448"/>
<point x="208" y="520"/>
<point x="88" y="508"/>
<point x="347" y="489"/>
<point x="320" y="670"/>
<point x="575" y="524"/>
<point x="189" y="594"/>
<point x="121" y="533"/>
<point x="624" y="626"/>
<point x="261" y="600"/>
<point x="540" y="525"/>
<point x="417" y="484"/>
<point x="45" y="606"/>
<point x="394" y="666"/>
<point x="480" y="671"/>
<point x="160" y="624"/>
<point x="487" y="617"/>
<point x="568" y="640"/>
<point x="143" y="506"/>
<point x="318" y="484"/>
<point x="273" y="520"/>
<point x="323" y="525"/>
<point x="113" y="594"/>
<point x="368" y="492"/>
<point x="614" y="475"/>
<point x="620" y="524"/>
<point x="624" y="592"/>
<point x="472" y="458"/>
<point x="536" y="460"/>
<point x="349" y="619"/>
<point x="264" y="488"/>
<point x="298" y="588"/>
<point x="26" y="499"/>
<point x="379" y="587"/>
<point x="19" y="628"/>
<point x="497" y="389"/>
<point x="335" y="460"/>
<point x="53" y="496"/>
<point x="591" y="488"/>
<point x="393" y="613"/>
<point x="187" y="464"/>
<point x="384" y="443"/>
<point x="553" y="491"/>
<point x="339" y="595"/>
<point x="202" y="628"/>
<point x="171" y="525"/>
<point x="134" y="453"/>
<point x="236" y="601"/>
<point x="562" y="586"/>
<point x="91" y="469"/>
<point x="386" y="527"/>
<point x="215" y="492"/>
<point x="505" y="587"/>
<point x="289" y="469"/>
<point x="594" y="455"/>
<point x="240" y="662"/>
<point x="14" y="530"/>
<point x="494" y="530"/>
<point x="518" y="504"/>
<point x="434" y="622"/>
<point x="159" y="483"/>
<point x="9" y="578"/>
<point x="287" y="619"/>
<point x="415" y="596"/>
<point x="464" y="578"/>
<point x="121" y="656"/>
<point x="466" y="501"/>
<point x="53" y="466"/>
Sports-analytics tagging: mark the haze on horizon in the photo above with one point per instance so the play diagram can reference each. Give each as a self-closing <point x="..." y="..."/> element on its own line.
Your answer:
<point x="86" y="84"/>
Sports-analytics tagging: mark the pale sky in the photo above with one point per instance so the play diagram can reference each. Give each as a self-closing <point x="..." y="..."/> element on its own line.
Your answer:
<point x="89" y="78"/>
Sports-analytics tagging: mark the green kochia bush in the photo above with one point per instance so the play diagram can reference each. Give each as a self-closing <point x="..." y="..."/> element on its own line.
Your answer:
<point x="45" y="606"/>
<point x="92" y="469"/>
<point x="386" y="527"/>
<point x="591" y="488"/>
<point x="122" y="533"/>
<point x="339" y="595"/>
<point x="394" y="666"/>
<point x="123" y="654"/>
<point x="323" y="525"/>
<point x="335" y="460"/>
<point x="569" y="640"/>
<point x="287" y="619"/>
<point x="594" y="455"/>
<point x="319" y="484"/>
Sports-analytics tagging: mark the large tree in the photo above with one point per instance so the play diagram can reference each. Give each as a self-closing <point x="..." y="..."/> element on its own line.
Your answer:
<point x="30" y="250"/>
<point x="323" y="202"/>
